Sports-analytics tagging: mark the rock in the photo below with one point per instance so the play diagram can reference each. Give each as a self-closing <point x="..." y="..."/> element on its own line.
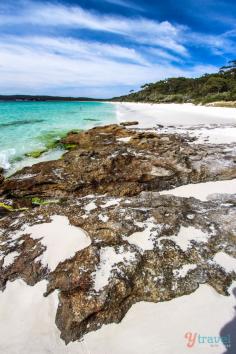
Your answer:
<point x="36" y="153"/>
<point x="101" y="282"/>
<point x="126" y="124"/>
<point x="109" y="187"/>
<point x="100" y="162"/>
<point x="1" y="175"/>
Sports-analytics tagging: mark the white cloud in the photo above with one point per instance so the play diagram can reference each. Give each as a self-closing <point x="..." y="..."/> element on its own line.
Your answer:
<point x="46" y="64"/>
<point x="74" y="48"/>
<point x="125" y="3"/>
<point x="162" y="54"/>
<point x="140" y="30"/>
<point x="74" y="66"/>
<point x="217" y="44"/>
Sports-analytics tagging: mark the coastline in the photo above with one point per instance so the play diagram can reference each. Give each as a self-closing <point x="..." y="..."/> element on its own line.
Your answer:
<point x="147" y="326"/>
<point x="36" y="128"/>
<point x="185" y="114"/>
<point x="148" y="115"/>
<point x="117" y="177"/>
<point x="149" y="321"/>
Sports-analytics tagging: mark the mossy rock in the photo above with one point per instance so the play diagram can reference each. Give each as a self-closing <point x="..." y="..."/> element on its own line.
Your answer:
<point x="6" y="207"/>
<point x="69" y="146"/>
<point x="39" y="201"/>
<point x="52" y="138"/>
<point x="10" y="208"/>
<point x="35" y="154"/>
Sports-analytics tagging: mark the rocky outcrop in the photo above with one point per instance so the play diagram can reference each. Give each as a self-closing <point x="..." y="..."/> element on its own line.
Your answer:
<point x="121" y="162"/>
<point x="144" y="246"/>
<point x="122" y="265"/>
<point x="127" y="124"/>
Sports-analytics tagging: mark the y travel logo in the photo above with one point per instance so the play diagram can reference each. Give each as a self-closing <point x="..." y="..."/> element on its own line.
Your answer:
<point x="194" y="339"/>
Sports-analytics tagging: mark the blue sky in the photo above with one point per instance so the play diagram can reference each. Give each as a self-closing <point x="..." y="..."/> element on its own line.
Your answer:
<point x="103" y="48"/>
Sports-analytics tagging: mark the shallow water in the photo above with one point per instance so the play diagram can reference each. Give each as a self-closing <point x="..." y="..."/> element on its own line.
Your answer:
<point x="31" y="126"/>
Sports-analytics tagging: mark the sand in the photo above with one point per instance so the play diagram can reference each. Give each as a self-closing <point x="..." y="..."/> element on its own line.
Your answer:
<point x="160" y="328"/>
<point x="203" y="190"/>
<point x="148" y="115"/>
<point x="27" y="324"/>
<point x="28" y="319"/>
<point x="57" y="235"/>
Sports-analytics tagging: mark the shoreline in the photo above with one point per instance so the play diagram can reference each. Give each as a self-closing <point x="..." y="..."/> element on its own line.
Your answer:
<point x="46" y="124"/>
<point x="147" y="326"/>
<point x="186" y="114"/>
<point x="148" y="115"/>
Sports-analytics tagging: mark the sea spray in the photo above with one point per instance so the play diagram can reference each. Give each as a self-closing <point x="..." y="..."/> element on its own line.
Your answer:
<point x="5" y="157"/>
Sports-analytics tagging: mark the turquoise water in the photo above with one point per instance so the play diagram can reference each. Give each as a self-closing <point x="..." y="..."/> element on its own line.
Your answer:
<point x="31" y="126"/>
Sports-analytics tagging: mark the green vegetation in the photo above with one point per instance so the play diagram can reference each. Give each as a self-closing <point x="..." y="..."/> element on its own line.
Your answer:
<point x="29" y="98"/>
<point x="69" y="146"/>
<point x="35" y="154"/>
<point x="6" y="206"/>
<point x="52" y="139"/>
<point x="208" y="88"/>
<point x="10" y="208"/>
<point x="39" y="201"/>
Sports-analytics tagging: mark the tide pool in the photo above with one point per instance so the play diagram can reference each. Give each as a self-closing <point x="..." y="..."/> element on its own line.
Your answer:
<point x="33" y="126"/>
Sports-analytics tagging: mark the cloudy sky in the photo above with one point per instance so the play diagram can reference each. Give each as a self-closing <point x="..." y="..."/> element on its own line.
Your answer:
<point x="103" y="48"/>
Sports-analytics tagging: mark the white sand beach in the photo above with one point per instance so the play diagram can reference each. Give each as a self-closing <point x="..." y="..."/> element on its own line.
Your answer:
<point x="148" y="115"/>
<point x="28" y="324"/>
<point x="28" y="319"/>
<point x="117" y="214"/>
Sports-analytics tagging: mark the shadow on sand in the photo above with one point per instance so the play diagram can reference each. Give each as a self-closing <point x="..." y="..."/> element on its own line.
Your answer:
<point x="230" y="330"/>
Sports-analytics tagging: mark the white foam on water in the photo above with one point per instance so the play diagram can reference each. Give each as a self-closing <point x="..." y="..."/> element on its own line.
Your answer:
<point x="5" y="157"/>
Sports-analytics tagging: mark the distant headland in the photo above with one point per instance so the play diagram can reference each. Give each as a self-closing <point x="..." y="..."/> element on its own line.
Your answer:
<point x="39" y="98"/>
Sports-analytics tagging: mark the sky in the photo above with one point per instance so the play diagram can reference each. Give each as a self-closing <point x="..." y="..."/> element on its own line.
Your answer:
<point x="105" y="48"/>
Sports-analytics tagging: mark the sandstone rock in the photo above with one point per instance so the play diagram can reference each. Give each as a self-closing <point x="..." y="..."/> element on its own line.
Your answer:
<point x="109" y="187"/>
<point x="122" y="266"/>
<point x="100" y="163"/>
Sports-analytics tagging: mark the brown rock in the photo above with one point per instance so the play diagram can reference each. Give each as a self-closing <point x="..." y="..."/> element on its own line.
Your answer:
<point x="122" y="178"/>
<point x="88" y="297"/>
<point x="103" y="163"/>
<point x="127" y="124"/>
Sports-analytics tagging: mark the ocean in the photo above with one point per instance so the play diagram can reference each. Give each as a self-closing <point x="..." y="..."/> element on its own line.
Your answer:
<point x="27" y="127"/>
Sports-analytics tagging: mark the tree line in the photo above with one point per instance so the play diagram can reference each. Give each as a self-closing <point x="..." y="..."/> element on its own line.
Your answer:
<point x="220" y="86"/>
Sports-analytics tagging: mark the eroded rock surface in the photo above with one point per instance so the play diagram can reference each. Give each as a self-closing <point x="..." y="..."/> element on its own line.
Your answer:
<point x="144" y="246"/>
<point x="121" y="162"/>
<point x="122" y="265"/>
